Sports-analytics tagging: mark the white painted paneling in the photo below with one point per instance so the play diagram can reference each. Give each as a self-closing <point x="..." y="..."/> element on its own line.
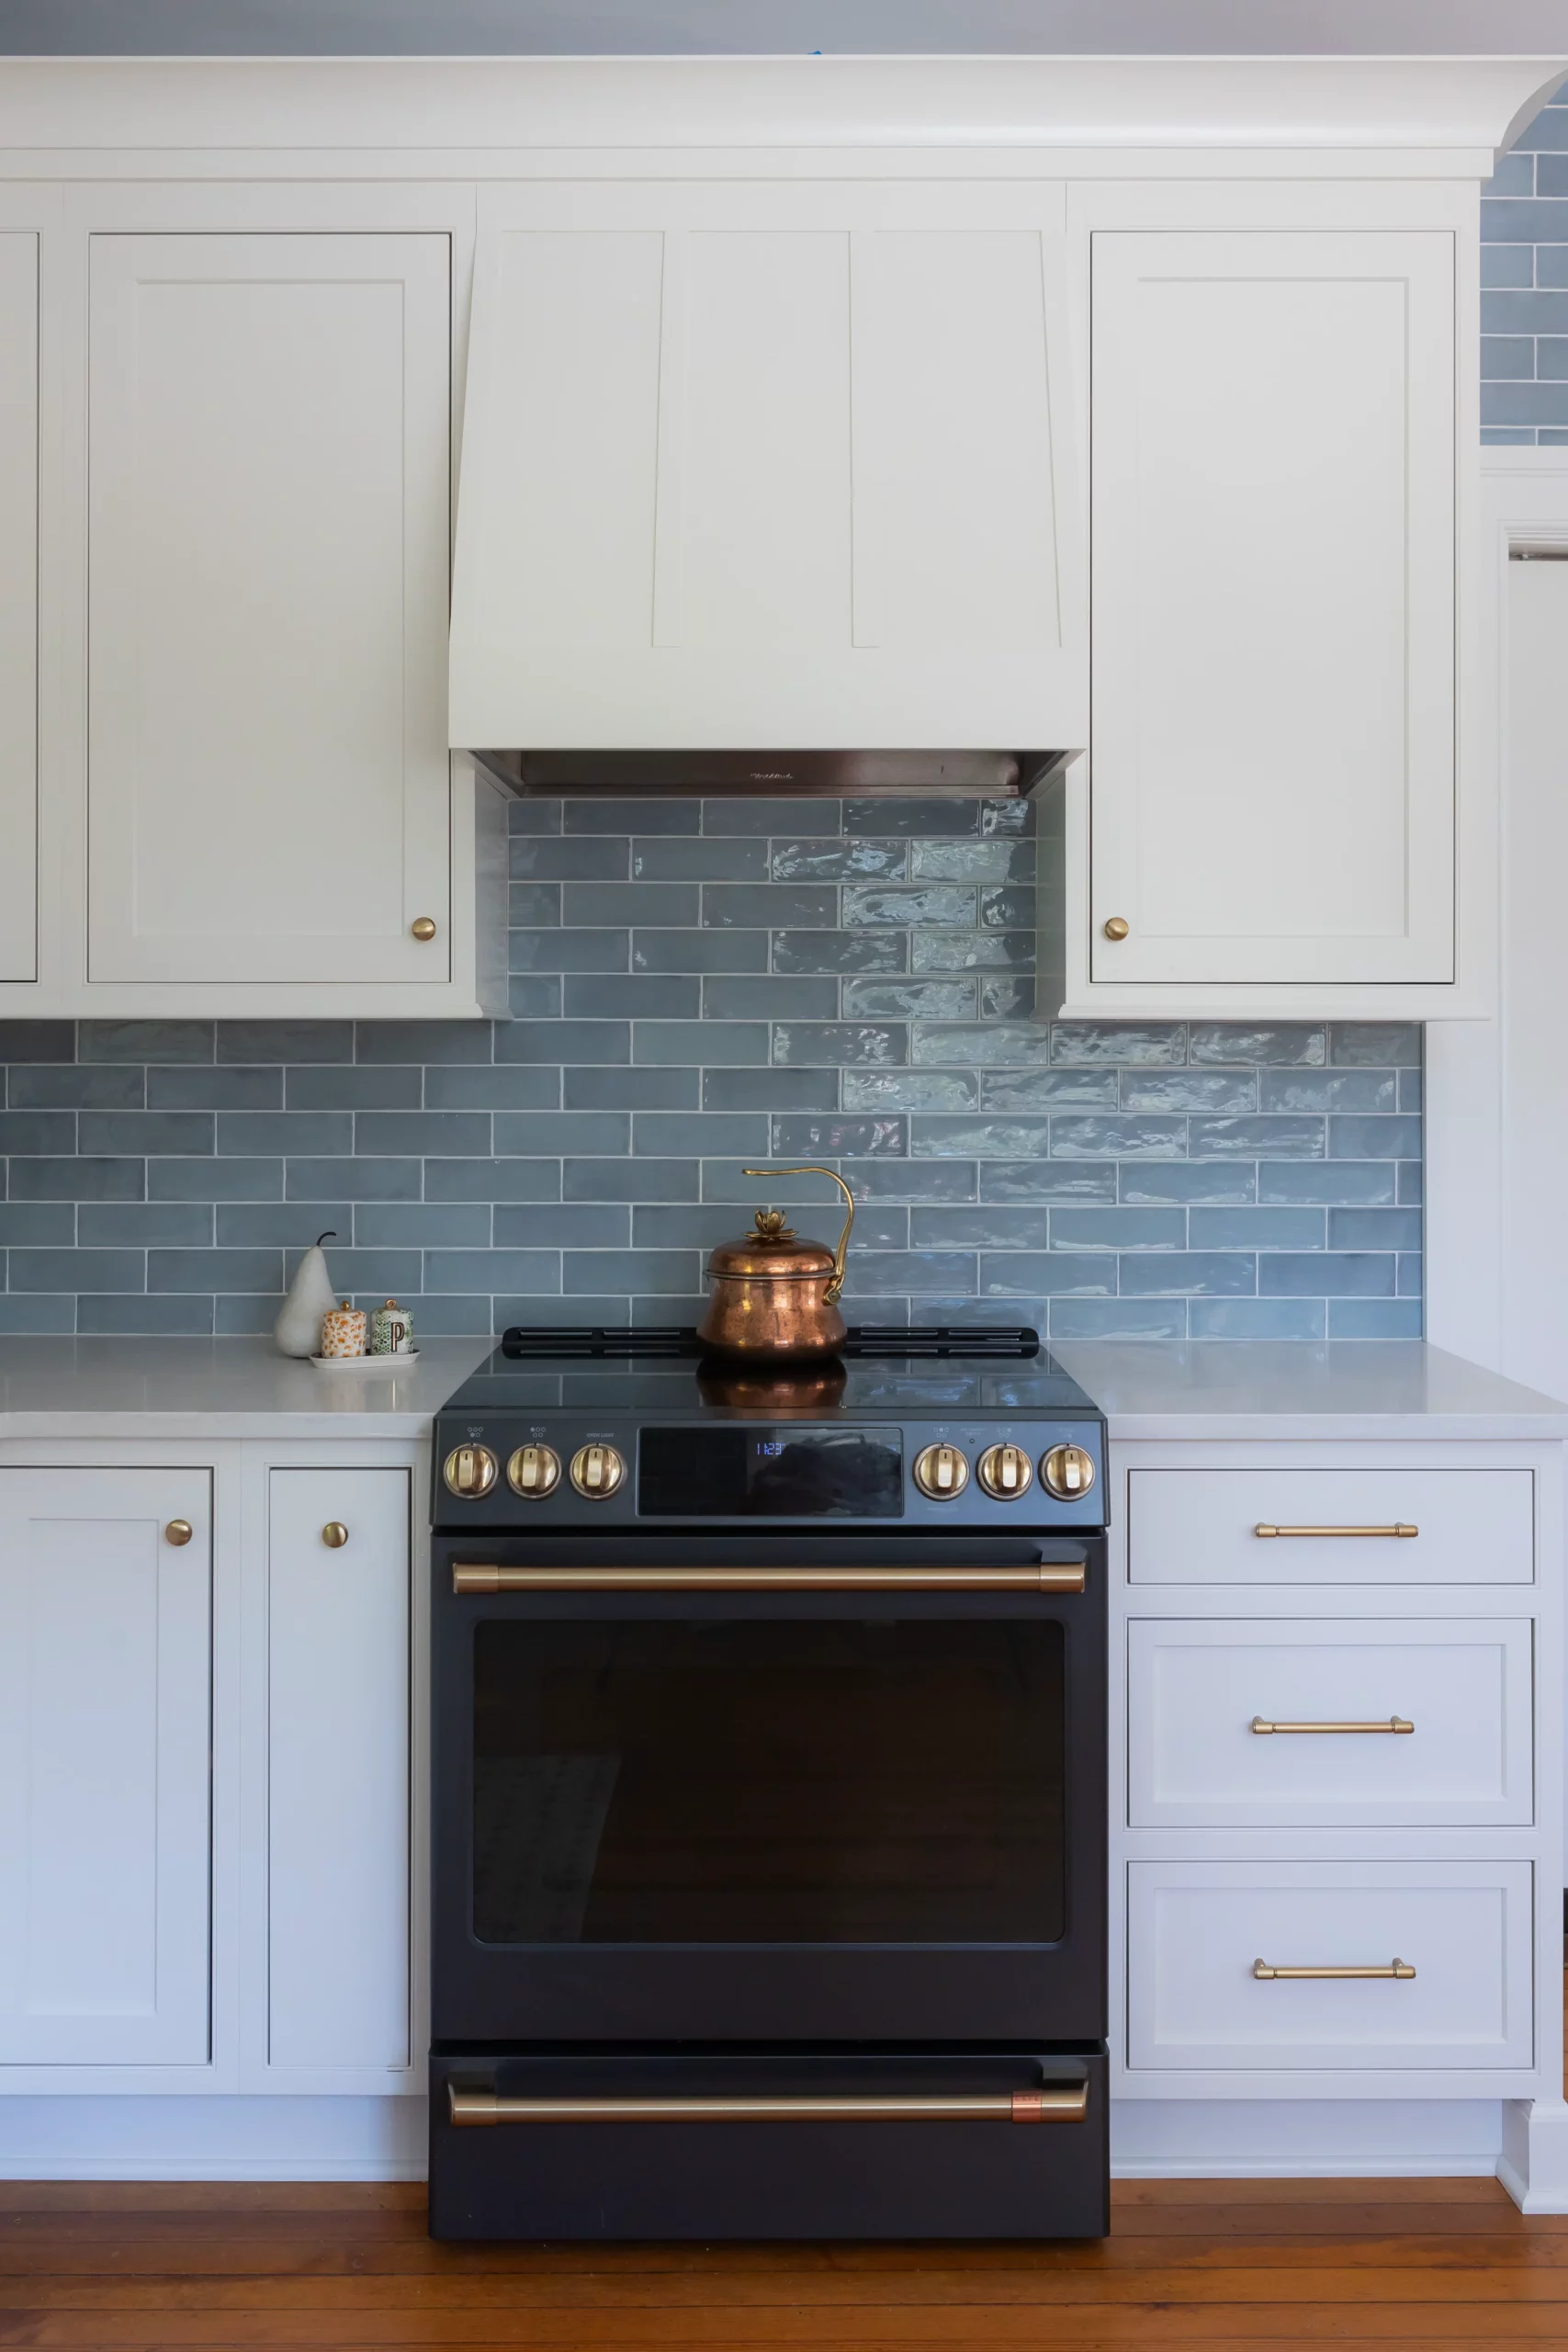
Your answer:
<point x="832" y="417"/>
<point x="338" y="1769"/>
<point x="1273" y="516"/>
<point x="18" y="603"/>
<point x="104" y="1709"/>
<point x="1193" y="1689"/>
<point x="1200" y="1526"/>
<point x="1535" y="981"/>
<point x="268" y="787"/>
<point x="1195" y="1929"/>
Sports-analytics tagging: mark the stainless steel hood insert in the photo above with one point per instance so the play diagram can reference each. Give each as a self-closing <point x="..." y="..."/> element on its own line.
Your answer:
<point x="831" y="775"/>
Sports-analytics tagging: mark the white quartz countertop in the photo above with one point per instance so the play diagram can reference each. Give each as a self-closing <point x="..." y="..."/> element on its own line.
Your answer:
<point x="1370" y="1389"/>
<point x="1362" y="1388"/>
<point x="123" y="1387"/>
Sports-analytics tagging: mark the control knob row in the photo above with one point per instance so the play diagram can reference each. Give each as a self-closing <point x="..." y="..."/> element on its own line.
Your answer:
<point x="1004" y="1472"/>
<point x="535" y="1471"/>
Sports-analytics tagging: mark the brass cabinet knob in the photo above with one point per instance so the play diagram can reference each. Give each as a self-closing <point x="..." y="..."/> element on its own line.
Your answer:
<point x="334" y="1536"/>
<point x="941" y="1473"/>
<point x="178" y="1530"/>
<point x="1005" y="1472"/>
<point x="471" y="1470"/>
<point x="1117" y="927"/>
<point x="533" y="1471"/>
<point x="1068" y="1472"/>
<point x="597" y="1471"/>
<point x="423" y="927"/>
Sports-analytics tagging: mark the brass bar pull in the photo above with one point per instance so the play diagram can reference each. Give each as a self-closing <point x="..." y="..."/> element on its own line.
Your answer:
<point x="1040" y="1576"/>
<point x="1269" y="1975"/>
<point x="1399" y="1528"/>
<point x="1061" y="2104"/>
<point x="1395" y="1724"/>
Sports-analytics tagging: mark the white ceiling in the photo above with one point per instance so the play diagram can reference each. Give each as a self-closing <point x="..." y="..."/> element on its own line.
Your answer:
<point x="579" y="27"/>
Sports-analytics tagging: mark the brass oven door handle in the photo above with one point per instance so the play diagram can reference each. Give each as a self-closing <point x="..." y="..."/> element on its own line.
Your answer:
<point x="1266" y="1974"/>
<point x="1060" y="2104"/>
<point x="1040" y="1576"/>
<point x="1395" y="1724"/>
<point x="1400" y="1527"/>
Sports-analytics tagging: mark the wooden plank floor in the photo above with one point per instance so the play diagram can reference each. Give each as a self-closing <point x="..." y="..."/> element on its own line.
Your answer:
<point x="1238" y="2264"/>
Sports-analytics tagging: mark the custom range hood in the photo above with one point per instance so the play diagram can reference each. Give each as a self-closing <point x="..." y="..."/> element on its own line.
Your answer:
<point x="751" y="464"/>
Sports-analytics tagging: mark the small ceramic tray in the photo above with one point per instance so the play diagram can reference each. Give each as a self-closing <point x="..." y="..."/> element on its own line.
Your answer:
<point x="366" y="1363"/>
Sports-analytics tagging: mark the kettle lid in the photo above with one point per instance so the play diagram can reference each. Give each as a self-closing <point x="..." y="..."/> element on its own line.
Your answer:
<point x="774" y="1251"/>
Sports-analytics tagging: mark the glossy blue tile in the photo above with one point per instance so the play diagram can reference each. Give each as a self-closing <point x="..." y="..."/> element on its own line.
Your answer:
<point x="700" y="951"/>
<point x="1024" y="1043"/>
<point x="1146" y="1183"/>
<point x="141" y="1224"/>
<point x="364" y="1086"/>
<point x="703" y="1043"/>
<point x="1241" y="1042"/>
<point x="1257" y="1318"/>
<point x="1328" y="1089"/>
<point x="1336" y="1273"/>
<point x="1259" y="1228"/>
<point x="837" y="1136"/>
<point x="630" y="1179"/>
<point x="581" y="857"/>
<point x="1259" y="1139"/>
<point x="1192" y="1273"/>
<point x="809" y="1044"/>
<point x="910" y="1090"/>
<point x="641" y="1273"/>
<point x="1189" y="1090"/>
<point x="85" y="1086"/>
<point x="1054" y="1180"/>
<point x="756" y="815"/>
<point x="1353" y="1229"/>
<point x="595" y="816"/>
<point x="558" y="1225"/>
<point x="1392" y="1139"/>
<point x="915" y="908"/>
<point x="765" y="906"/>
<point x="979" y="1138"/>
<point x="1118" y="1319"/>
<point x="669" y="1135"/>
<point x="1123" y="1137"/>
<point x="840" y="860"/>
<point x="77" y="1270"/>
<point x="1374" y="1319"/>
<point x="597" y="1088"/>
<point x="908" y="1273"/>
<point x="210" y="1271"/>
<point x="767" y="996"/>
<point x="161" y="1317"/>
<point x="568" y="951"/>
<point x="1117" y="1228"/>
<point x="978" y="1227"/>
<point x="553" y="1133"/>
<point x="488" y="1270"/>
<point x="1344" y="1183"/>
<point x="1049" y="1089"/>
<point x="1123" y="1043"/>
<point x="486" y="1086"/>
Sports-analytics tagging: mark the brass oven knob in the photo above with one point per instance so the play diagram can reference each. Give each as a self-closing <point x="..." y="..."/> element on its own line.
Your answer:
<point x="941" y="1473"/>
<point x="533" y="1471"/>
<point x="1005" y="1472"/>
<point x="1068" y="1472"/>
<point x="471" y="1470"/>
<point x="597" y="1471"/>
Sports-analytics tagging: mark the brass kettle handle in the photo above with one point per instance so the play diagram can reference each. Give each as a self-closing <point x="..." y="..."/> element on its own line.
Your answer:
<point x="837" y="1283"/>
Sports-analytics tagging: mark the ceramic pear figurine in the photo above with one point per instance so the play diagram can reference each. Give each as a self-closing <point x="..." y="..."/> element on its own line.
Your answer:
<point x="298" y="1330"/>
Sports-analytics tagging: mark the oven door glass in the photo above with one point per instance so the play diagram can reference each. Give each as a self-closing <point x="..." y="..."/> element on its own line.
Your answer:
<point x="743" y="1781"/>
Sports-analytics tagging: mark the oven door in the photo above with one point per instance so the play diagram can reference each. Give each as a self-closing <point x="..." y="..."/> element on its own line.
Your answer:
<point x="806" y="1789"/>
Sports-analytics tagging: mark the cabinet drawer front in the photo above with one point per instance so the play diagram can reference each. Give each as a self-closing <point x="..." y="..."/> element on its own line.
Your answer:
<point x="1196" y="1689"/>
<point x="1196" y="1930"/>
<point x="1201" y="1526"/>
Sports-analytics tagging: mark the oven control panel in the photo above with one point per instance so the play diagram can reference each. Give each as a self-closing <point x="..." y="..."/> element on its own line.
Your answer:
<point x="562" y="1472"/>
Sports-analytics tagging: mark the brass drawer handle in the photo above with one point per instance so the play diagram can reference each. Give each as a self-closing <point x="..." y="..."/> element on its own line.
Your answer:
<point x="1395" y="1724"/>
<point x="1399" y="1528"/>
<point x="178" y="1530"/>
<point x="1061" y="2105"/>
<point x="1042" y="1575"/>
<point x="1266" y="1974"/>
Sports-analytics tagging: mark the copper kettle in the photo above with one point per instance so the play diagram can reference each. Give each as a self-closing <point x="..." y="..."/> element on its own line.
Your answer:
<point x="772" y="1293"/>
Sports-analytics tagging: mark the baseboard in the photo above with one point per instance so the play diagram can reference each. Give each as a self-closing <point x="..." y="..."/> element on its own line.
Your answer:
<point x="1305" y="2139"/>
<point x="84" y="2137"/>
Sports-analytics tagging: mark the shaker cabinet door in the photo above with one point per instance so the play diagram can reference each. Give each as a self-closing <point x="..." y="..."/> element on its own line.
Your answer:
<point x="105" y="1714"/>
<point x="18" y="602"/>
<point x="1272" y="607"/>
<point x="268" y="780"/>
<point x="338" y="1893"/>
<point x="769" y="464"/>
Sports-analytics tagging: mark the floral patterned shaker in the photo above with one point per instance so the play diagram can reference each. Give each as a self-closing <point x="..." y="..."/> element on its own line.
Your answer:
<point x="342" y="1331"/>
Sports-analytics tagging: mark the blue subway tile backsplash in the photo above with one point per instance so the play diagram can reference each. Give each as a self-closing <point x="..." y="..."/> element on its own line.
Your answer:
<point x="734" y="982"/>
<point x="1524" y="267"/>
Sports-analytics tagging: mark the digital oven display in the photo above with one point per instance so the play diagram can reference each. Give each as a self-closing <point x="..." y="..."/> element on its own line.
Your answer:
<point x="770" y="1473"/>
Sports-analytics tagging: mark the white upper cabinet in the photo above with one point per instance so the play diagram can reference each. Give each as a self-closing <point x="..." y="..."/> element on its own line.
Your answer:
<point x="1273" y="772"/>
<point x="105" y="1710"/>
<point x="268" y="794"/>
<point x="757" y="464"/>
<point x="18" y="602"/>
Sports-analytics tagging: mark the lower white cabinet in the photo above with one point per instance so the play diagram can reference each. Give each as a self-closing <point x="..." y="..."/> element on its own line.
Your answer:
<point x="1200" y="1936"/>
<point x="1307" y="1721"/>
<point x="106" y="1701"/>
<point x="337" y="1844"/>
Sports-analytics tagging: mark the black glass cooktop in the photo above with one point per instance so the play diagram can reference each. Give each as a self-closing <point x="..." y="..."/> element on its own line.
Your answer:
<point x="895" y="1375"/>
